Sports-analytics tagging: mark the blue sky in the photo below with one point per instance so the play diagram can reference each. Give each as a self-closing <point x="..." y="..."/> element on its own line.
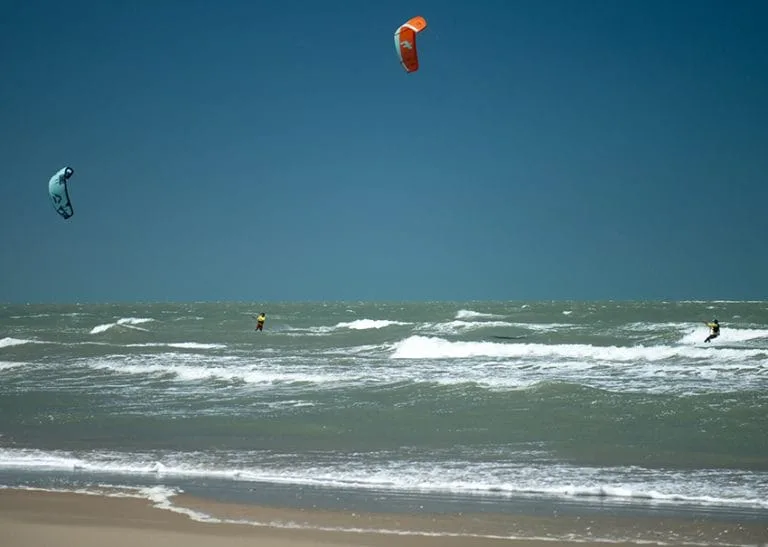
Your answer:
<point x="246" y="150"/>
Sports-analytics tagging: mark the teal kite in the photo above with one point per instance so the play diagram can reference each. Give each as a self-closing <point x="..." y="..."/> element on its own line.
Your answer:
<point x="57" y="189"/>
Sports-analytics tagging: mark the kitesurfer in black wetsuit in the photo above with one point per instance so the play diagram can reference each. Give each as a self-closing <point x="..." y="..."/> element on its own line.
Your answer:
<point x="714" y="330"/>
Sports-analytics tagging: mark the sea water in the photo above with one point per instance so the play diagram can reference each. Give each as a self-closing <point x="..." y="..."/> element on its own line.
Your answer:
<point x="448" y="406"/>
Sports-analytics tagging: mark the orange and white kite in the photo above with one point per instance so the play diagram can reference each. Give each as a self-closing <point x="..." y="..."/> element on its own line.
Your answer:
<point x="405" y="42"/>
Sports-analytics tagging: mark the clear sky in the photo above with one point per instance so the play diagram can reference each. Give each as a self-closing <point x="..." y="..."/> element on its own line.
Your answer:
<point x="262" y="151"/>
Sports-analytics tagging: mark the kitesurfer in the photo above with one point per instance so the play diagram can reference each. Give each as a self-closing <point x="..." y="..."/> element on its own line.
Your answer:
<point x="260" y="321"/>
<point x="714" y="330"/>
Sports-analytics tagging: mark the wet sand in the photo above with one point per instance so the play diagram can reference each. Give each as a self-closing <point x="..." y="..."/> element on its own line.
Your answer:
<point x="41" y="519"/>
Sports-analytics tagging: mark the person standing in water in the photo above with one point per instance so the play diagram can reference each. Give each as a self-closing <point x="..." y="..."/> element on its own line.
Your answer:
<point x="260" y="321"/>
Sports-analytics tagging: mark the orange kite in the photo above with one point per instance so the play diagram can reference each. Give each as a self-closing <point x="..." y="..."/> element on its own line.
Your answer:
<point x="405" y="42"/>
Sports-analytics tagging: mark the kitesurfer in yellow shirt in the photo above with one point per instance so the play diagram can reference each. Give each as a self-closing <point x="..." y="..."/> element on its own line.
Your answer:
<point x="260" y="321"/>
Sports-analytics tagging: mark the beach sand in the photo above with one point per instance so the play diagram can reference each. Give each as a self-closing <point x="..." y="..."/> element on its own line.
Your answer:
<point x="41" y="519"/>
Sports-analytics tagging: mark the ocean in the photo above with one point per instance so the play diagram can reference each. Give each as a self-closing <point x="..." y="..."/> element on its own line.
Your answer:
<point x="572" y="408"/>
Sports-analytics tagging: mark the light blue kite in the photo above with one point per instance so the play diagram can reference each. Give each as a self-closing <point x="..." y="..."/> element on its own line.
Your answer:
<point x="57" y="188"/>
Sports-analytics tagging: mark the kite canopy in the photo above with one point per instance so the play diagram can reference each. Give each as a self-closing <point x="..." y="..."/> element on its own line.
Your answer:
<point x="57" y="189"/>
<point x="405" y="42"/>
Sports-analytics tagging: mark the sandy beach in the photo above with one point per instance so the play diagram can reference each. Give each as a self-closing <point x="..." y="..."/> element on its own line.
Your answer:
<point x="40" y="519"/>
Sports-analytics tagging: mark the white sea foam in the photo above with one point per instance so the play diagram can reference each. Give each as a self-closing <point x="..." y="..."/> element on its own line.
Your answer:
<point x="459" y="326"/>
<point x="644" y="326"/>
<point x="327" y="330"/>
<point x="177" y="345"/>
<point x="127" y="322"/>
<point x="195" y="368"/>
<point x="365" y="324"/>
<point x="422" y="347"/>
<point x="429" y="360"/>
<point x="362" y="471"/>
<point x="471" y="314"/>
<point x="696" y="335"/>
<point x="8" y="342"/>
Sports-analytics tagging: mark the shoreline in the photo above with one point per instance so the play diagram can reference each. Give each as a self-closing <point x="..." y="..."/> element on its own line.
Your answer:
<point x="303" y="497"/>
<point x="33" y="517"/>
